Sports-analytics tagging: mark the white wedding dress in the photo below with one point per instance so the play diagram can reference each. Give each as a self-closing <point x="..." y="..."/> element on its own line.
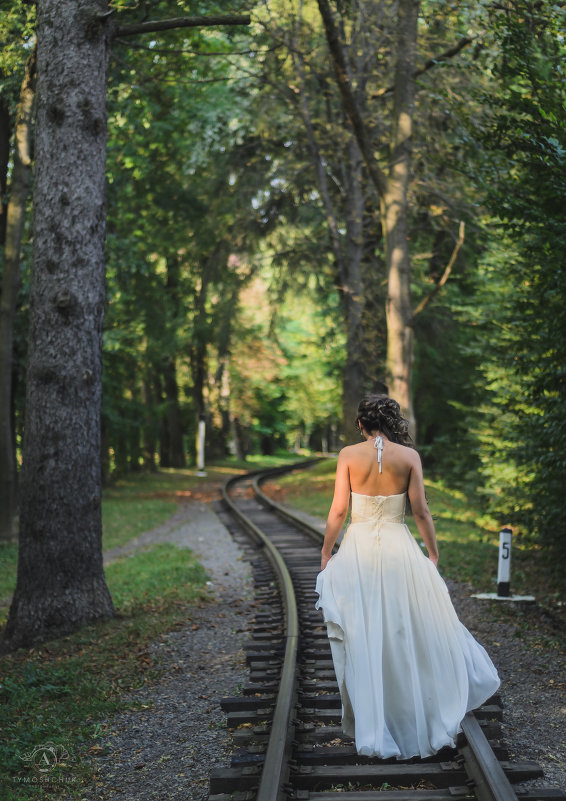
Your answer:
<point x="407" y="669"/>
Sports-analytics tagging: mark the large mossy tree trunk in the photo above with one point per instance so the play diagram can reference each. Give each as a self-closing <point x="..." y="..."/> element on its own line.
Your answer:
<point x="12" y="234"/>
<point x="60" y="583"/>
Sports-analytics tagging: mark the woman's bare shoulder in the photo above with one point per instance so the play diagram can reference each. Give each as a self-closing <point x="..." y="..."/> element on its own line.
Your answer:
<point x="351" y="451"/>
<point x="348" y="449"/>
<point x="405" y="452"/>
<point x="411" y="454"/>
<point x="410" y="450"/>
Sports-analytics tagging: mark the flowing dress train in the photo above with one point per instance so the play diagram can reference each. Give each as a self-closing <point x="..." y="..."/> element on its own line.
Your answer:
<point x="407" y="669"/>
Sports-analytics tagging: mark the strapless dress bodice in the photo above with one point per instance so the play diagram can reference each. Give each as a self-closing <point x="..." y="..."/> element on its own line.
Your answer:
<point x="378" y="508"/>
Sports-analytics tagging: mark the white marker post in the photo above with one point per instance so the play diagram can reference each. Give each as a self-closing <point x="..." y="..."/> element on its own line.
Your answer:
<point x="504" y="574"/>
<point x="200" y="445"/>
<point x="504" y="564"/>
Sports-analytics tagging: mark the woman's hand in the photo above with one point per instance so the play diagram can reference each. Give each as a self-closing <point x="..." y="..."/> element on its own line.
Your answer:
<point x="434" y="560"/>
<point x="324" y="559"/>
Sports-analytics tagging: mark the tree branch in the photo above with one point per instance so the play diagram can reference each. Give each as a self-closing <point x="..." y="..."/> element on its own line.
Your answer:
<point x="351" y="107"/>
<point x="432" y="62"/>
<point x="166" y="51"/>
<point x="153" y="26"/>
<point x="445" y="275"/>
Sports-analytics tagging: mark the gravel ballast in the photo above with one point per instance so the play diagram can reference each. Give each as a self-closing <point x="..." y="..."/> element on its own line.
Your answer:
<point x="524" y="643"/>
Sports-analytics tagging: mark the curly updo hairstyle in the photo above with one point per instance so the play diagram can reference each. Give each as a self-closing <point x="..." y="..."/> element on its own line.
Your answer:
<point x="382" y="413"/>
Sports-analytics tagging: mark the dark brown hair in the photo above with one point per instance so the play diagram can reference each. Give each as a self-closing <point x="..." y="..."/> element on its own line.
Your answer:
<point x="382" y="413"/>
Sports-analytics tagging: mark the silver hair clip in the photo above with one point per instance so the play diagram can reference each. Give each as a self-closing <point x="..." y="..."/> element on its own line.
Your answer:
<point x="378" y="443"/>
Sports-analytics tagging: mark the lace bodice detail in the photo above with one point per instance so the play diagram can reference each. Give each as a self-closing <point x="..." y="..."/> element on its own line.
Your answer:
<point x="378" y="508"/>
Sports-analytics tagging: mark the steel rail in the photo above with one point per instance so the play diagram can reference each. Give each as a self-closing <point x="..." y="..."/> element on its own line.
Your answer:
<point x="275" y="771"/>
<point x="482" y="766"/>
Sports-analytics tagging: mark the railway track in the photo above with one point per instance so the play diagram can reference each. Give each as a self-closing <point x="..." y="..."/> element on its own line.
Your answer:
<point x="288" y="742"/>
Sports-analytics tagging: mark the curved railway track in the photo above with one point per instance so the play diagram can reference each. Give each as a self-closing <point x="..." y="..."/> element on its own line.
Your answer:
<point x="288" y="743"/>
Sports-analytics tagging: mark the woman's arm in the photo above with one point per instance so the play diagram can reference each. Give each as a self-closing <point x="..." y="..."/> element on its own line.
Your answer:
<point x="338" y="510"/>
<point x="419" y="506"/>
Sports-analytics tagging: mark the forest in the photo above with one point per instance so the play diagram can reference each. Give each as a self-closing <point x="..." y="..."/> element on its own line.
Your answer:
<point x="254" y="213"/>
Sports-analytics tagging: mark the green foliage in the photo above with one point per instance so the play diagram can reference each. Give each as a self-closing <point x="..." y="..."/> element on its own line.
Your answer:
<point x="286" y="367"/>
<point x="526" y="266"/>
<point x="17" y="24"/>
<point x="178" y="176"/>
<point x="313" y="347"/>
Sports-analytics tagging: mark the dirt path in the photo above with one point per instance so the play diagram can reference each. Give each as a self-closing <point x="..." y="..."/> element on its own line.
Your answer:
<point x="166" y="749"/>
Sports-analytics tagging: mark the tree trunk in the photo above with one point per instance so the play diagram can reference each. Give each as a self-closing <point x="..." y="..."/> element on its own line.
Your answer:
<point x="149" y="429"/>
<point x="230" y="433"/>
<point x="175" y="426"/>
<point x="61" y="584"/>
<point x="164" y="439"/>
<point x="5" y="136"/>
<point x="198" y="352"/>
<point x="398" y="307"/>
<point x="134" y="428"/>
<point x="10" y="287"/>
<point x="394" y="209"/>
<point x="354" y="378"/>
<point x="348" y="259"/>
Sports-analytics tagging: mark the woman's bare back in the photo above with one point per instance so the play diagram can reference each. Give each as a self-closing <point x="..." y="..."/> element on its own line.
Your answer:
<point x="396" y="465"/>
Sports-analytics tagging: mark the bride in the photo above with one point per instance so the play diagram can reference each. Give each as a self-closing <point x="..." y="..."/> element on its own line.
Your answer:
<point x="407" y="669"/>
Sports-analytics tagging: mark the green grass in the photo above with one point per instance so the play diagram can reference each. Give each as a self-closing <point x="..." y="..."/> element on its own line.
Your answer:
<point x="60" y="691"/>
<point x="468" y="550"/>
<point x="124" y="518"/>
<point x="310" y="491"/>
<point x="8" y="567"/>
<point x="468" y="539"/>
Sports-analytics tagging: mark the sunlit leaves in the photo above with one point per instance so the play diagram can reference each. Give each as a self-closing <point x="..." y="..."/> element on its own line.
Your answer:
<point x="17" y="26"/>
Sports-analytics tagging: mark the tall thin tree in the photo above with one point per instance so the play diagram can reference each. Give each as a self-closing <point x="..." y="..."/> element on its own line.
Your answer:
<point x="15" y="214"/>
